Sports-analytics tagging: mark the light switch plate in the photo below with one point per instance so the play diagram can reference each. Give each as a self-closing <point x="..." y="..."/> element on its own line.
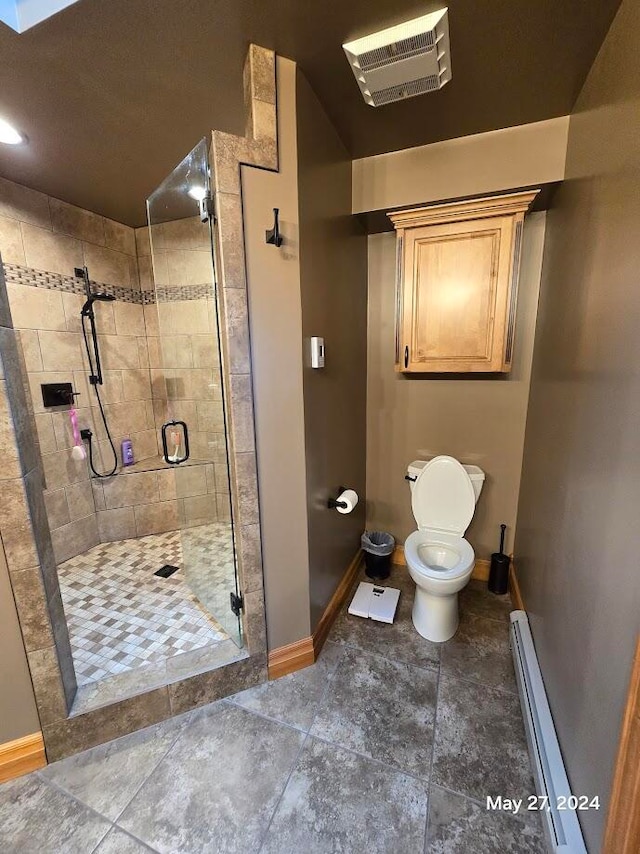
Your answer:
<point x="317" y="352"/>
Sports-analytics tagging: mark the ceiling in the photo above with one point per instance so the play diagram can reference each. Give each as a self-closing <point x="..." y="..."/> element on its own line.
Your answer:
<point x="113" y="94"/>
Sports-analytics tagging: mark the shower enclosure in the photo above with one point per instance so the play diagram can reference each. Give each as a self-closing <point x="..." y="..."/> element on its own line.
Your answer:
<point x="155" y="586"/>
<point x="125" y="584"/>
<point x="187" y="383"/>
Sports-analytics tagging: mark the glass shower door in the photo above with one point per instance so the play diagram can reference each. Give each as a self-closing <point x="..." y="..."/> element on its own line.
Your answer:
<point x="187" y="383"/>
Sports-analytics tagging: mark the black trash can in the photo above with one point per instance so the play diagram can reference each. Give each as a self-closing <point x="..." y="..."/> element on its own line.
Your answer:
<point x="378" y="547"/>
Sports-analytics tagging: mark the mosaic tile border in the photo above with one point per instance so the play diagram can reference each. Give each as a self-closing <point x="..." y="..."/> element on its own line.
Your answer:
<point x="15" y="274"/>
<point x="165" y="293"/>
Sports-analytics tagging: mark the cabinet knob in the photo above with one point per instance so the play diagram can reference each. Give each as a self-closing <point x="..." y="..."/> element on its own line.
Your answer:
<point x="406" y="357"/>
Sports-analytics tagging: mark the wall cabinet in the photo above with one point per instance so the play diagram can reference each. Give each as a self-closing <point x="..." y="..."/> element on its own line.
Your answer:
<point x="457" y="284"/>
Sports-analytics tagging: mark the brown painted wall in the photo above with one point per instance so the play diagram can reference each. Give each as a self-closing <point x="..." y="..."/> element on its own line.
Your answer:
<point x="578" y="516"/>
<point x="275" y="314"/>
<point x="333" y="278"/>
<point x="18" y="716"/>
<point x="479" y="421"/>
<point x="314" y="284"/>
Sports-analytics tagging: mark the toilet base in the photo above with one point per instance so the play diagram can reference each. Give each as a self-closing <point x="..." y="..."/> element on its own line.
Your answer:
<point x="435" y="617"/>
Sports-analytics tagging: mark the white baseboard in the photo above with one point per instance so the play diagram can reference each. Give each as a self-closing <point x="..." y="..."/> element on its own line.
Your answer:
<point x="561" y="825"/>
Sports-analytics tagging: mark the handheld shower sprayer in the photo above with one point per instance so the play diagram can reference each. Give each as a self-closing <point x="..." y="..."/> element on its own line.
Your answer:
<point x="95" y="376"/>
<point x="95" y="368"/>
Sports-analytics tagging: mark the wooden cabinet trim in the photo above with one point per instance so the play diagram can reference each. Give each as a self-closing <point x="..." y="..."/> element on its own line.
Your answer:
<point x="509" y="204"/>
<point x="399" y="292"/>
<point x="513" y="295"/>
<point x="622" y="833"/>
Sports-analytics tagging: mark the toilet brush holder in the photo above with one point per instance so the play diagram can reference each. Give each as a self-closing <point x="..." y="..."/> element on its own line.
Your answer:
<point x="499" y="572"/>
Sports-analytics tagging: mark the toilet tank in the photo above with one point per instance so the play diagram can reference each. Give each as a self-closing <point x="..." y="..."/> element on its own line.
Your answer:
<point x="475" y="474"/>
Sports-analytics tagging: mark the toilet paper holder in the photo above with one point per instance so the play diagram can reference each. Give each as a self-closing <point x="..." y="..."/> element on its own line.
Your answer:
<point x="332" y="503"/>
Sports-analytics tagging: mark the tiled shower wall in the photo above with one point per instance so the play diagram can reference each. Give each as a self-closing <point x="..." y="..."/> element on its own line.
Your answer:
<point x="40" y="235"/>
<point x="185" y="360"/>
<point x="42" y="240"/>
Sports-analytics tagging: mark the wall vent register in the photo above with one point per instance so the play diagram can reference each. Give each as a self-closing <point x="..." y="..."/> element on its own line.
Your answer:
<point x="21" y="15"/>
<point x="402" y="61"/>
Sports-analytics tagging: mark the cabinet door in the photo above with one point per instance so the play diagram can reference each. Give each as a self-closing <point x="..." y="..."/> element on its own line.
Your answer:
<point x="455" y="295"/>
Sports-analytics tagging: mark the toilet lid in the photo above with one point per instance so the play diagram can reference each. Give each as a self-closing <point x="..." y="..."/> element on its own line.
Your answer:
<point x="443" y="498"/>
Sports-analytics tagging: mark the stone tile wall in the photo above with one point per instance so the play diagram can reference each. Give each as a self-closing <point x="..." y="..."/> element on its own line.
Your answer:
<point x="139" y="502"/>
<point x="145" y="377"/>
<point x="42" y="240"/>
<point x="185" y="360"/>
<point x="259" y="147"/>
<point x="25" y="535"/>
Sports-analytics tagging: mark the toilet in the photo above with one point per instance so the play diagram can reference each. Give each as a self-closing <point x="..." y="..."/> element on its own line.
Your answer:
<point x="444" y="494"/>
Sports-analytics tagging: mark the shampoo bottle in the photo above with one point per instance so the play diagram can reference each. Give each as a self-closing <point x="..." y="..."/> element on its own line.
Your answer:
<point x="127" y="452"/>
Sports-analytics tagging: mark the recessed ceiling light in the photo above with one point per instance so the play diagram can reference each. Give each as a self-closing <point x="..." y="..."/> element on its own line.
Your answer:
<point x="9" y="135"/>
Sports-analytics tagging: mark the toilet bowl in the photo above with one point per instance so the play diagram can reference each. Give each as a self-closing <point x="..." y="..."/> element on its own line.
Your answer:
<point x="440" y="561"/>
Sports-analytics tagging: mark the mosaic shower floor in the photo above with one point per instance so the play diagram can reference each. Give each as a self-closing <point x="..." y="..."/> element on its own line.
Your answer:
<point x="121" y="616"/>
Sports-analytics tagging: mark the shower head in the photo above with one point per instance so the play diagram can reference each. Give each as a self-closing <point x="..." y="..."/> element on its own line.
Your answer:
<point x="83" y="273"/>
<point x="99" y="297"/>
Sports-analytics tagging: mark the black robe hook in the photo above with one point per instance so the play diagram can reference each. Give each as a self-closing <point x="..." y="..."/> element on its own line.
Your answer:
<point x="273" y="235"/>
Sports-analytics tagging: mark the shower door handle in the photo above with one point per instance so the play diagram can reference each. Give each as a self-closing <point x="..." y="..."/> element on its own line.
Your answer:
<point x="172" y="440"/>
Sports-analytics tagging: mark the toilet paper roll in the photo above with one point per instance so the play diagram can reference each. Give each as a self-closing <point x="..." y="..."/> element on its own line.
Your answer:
<point x="350" y="498"/>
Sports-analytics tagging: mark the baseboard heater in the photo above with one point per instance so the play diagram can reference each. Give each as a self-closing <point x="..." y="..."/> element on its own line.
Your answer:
<point x="560" y="821"/>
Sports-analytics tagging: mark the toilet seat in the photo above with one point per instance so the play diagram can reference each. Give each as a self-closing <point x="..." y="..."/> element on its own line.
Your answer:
<point x="442" y="498"/>
<point x="439" y="559"/>
<point x="443" y="502"/>
<point x="425" y="544"/>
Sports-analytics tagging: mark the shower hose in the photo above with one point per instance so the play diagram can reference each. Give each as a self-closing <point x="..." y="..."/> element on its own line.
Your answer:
<point x="102" y="413"/>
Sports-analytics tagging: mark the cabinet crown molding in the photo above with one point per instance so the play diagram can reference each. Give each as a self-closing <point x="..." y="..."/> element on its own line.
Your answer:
<point x="466" y="209"/>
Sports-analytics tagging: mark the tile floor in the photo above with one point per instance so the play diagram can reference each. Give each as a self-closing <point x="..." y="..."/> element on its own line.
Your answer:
<point x="121" y="616"/>
<point x="387" y="744"/>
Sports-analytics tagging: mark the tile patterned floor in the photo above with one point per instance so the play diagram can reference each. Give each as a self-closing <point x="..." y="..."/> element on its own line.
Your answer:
<point x="121" y="616"/>
<point x="388" y="745"/>
<point x="208" y="552"/>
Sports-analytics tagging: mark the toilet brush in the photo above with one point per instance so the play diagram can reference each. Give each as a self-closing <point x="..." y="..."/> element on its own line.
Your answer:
<point x="499" y="572"/>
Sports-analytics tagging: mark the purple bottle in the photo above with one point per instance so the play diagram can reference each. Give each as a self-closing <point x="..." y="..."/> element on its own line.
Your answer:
<point x="127" y="452"/>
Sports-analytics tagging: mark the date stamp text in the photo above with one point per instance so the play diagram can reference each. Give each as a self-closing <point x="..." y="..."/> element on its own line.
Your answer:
<point x="542" y="803"/>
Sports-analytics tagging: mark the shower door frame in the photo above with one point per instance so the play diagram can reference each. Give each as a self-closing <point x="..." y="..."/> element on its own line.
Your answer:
<point x="161" y="209"/>
<point x="25" y="530"/>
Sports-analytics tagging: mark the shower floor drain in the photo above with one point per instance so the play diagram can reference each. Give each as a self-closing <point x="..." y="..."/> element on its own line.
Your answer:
<point x="166" y="570"/>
